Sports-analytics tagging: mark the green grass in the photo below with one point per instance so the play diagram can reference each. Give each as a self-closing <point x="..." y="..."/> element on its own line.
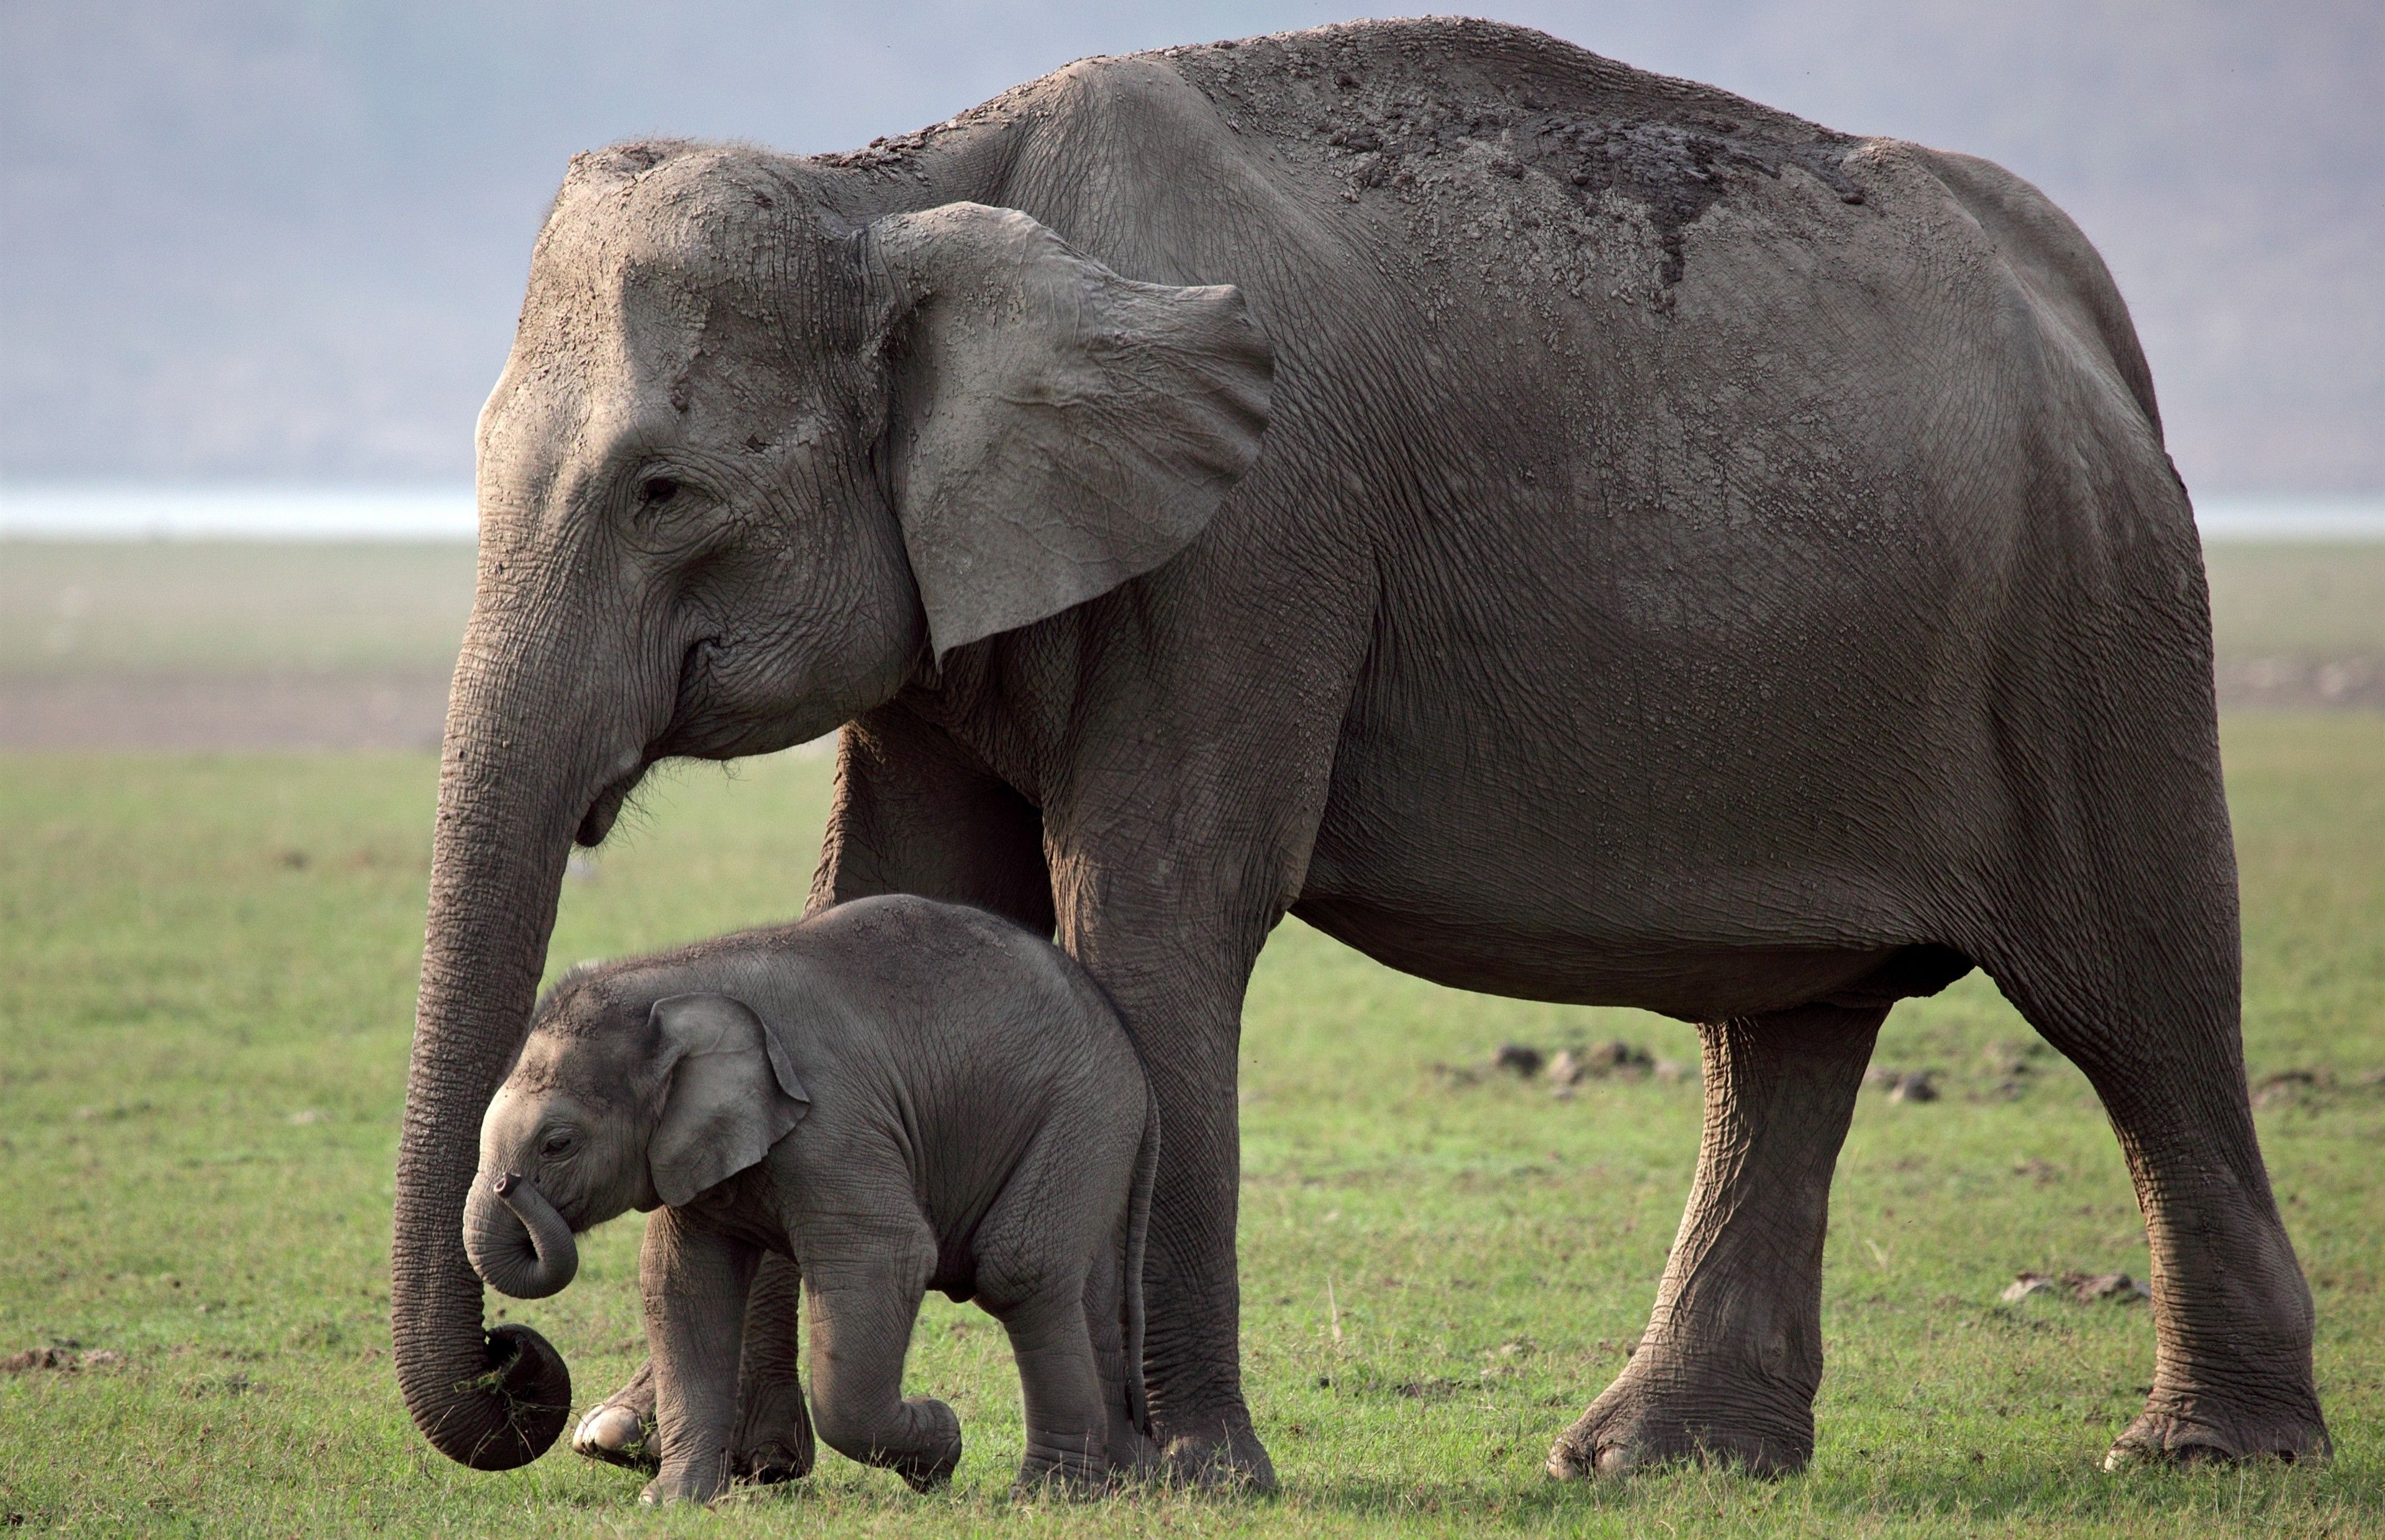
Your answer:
<point x="204" y="1008"/>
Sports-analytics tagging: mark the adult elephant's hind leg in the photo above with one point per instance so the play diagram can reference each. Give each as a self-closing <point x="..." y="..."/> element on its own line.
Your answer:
<point x="1728" y="1368"/>
<point x="2232" y="1319"/>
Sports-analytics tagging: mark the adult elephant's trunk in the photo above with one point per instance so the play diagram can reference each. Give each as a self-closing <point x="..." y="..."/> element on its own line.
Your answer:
<point x="524" y="757"/>
<point x="519" y="1244"/>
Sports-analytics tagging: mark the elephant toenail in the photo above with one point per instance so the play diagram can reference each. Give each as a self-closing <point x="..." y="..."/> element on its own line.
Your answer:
<point x="611" y="1428"/>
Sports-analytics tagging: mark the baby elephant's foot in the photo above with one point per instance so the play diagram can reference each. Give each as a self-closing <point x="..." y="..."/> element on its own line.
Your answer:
<point x="930" y="1463"/>
<point x="683" y="1487"/>
<point x="621" y="1430"/>
<point x="774" y="1436"/>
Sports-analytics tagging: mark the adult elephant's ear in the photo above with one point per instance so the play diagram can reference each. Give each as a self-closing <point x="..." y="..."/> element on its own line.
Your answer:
<point x="1054" y="430"/>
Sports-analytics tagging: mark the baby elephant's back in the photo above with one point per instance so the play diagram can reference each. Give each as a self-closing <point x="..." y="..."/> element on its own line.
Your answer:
<point x="975" y="1002"/>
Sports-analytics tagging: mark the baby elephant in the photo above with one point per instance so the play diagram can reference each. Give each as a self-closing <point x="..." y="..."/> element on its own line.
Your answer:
<point x="898" y="1095"/>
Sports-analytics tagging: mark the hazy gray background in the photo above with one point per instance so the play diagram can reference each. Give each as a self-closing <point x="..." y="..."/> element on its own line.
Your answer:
<point x="285" y="239"/>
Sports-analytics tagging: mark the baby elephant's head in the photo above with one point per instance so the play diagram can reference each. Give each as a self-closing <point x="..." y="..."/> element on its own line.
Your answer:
<point x="619" y="1100"/>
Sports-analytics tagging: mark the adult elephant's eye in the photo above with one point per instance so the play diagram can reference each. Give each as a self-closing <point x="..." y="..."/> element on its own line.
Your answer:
<point x="657" y="490"/>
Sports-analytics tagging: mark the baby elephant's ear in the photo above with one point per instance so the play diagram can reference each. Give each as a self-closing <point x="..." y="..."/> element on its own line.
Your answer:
<point x="725" y="1103"/>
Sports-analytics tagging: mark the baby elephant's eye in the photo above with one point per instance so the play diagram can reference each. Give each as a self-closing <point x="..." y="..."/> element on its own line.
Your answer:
<point x="558" y="1143"/>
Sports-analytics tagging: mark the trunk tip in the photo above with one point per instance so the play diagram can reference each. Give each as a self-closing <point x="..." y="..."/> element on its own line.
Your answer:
<point x="526" y="1397"/>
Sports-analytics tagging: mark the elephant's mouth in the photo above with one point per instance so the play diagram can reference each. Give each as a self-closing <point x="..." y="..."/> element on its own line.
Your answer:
<point x="701" y="656"/>
<point x="597" y="822"/>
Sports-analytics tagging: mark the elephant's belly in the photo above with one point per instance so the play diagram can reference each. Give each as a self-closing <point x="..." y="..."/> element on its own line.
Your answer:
<point x="1688" y="981"/>
<point x="1591" y="882"/>
<point x="1569" y="799"/>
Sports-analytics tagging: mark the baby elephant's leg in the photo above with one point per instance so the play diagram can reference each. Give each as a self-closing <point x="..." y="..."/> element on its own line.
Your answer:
<point x="694" y="1283"/>
<point x="1060" y="1382"/>
<point x="863" y="1309"/>
<point x="774" y="1431"/>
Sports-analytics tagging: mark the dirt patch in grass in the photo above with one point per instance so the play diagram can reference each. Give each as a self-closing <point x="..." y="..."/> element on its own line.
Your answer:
<point x="205" y="713"/>
<point x="2353" y="682"/>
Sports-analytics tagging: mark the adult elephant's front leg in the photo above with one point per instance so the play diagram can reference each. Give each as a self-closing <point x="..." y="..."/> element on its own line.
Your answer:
<point x="774" y="1431"/>
<point x="1192" y="1281"/>
<point x="1179" y="979"/>
<point x="1732" y="1357"/>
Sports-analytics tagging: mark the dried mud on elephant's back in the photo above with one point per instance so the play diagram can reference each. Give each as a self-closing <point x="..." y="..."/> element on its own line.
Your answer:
<point x="1519" y="162"/>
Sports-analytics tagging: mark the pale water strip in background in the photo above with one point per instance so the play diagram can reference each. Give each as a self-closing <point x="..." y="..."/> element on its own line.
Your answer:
<point x="101" y="513"/>
<point x="131" y="513"/>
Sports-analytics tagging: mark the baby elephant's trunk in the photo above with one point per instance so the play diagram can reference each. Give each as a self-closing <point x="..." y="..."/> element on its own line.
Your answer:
<point x="518" y="1243"/>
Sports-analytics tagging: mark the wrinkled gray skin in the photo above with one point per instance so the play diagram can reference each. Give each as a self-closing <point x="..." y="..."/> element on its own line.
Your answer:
<point x="1569" y="533"/>
<point x="894" y="1096"/>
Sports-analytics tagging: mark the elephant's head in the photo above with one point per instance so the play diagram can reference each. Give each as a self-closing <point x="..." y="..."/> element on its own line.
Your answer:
<point x="616" y="1103"/>
<point x="749" y="469"/>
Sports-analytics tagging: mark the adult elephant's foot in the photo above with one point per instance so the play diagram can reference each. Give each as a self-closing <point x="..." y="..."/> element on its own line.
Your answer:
<point x="1659" y="1412"/>
<point x="620" y="1430"/>
<point x="2206" y="1429"/>
<point x="1215" y="1452"/>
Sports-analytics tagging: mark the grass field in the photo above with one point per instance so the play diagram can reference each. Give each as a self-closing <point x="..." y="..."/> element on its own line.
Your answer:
<point x="205" y="995"/>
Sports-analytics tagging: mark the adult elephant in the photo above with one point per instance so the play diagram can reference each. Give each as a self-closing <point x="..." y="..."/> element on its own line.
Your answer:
<point x="1569" y="533"/>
